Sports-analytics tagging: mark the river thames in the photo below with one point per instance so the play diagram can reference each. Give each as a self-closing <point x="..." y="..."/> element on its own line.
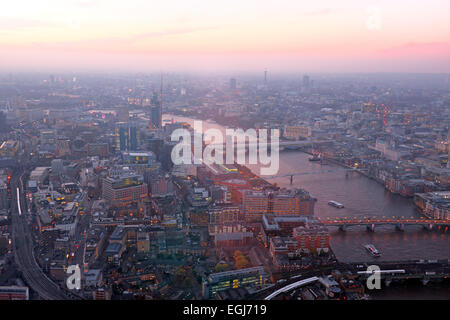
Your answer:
<point x="362" y="197"/>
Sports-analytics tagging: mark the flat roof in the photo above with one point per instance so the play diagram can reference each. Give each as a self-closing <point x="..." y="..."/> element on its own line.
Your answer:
<point x="217" y="276"/>
<point x="113" y="248"/>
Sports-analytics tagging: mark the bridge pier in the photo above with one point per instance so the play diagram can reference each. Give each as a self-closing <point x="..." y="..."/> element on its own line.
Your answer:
<point x="370" y="227"/>
<point x="425" y="281"/>
<point x="387" y="282"/>
<point x="428" y="227"/>
<point x="400" y="227"/>
<point x="342" y="228"/>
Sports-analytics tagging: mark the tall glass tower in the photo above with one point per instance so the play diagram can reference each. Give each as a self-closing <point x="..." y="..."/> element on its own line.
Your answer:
<point x="156" y="112"/>
<point x="127" y="136"/>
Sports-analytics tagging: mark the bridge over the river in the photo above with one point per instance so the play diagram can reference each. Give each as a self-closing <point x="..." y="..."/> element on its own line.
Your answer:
<point x="399" y="222"/>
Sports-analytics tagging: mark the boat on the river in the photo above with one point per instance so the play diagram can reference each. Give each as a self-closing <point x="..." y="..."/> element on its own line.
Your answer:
<point x="335" y="204"/>
<point x="372" y="250"/>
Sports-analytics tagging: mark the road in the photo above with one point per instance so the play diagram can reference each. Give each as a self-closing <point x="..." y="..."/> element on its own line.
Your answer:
<point x="23" y="247"/>
<point x="82" y="227"/>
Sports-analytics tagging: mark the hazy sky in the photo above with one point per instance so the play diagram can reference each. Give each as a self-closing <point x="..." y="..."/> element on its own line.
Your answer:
<point x="216" y="35"/>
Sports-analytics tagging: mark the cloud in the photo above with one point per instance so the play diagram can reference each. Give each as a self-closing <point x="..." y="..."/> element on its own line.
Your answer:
<point x="117" y="43"/>
<point x="319" y="12"/>
<point x="419" y="48"/>
<point x="87" y="3"/>
<point x="178" y="31"/>
<point x="114" y="44"/>
<point x="19" y="23"/>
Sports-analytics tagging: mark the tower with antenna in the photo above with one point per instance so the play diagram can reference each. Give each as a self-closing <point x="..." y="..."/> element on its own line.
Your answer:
<point x="156" y="108"/>
<point x="161" y="97"/>
<point x="265" y="76"/>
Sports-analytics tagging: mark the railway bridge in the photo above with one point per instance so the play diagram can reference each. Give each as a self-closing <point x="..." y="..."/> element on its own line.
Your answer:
<point x="398" y="222"/>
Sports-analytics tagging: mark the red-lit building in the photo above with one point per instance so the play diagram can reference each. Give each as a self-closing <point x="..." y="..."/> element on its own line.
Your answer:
<point x="218" y="172"/>
<point x="284" y="202"/>
<point x="304" y="239"/>
<point x="236" y="187"/>
<point x="225" y="213"/>
<point x="14" y="293"/>
<point x="102" y="294"/>
<point x="312" y="238"/>
<point x="255" y="205"/>
<point x="282" y="225"/>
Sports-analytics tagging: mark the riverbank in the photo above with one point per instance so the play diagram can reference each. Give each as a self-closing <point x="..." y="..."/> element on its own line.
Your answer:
<point x="412" y="290"/>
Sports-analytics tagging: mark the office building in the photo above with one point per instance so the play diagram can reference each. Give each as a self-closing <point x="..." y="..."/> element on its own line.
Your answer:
<point x="434" y="205"/>
<point x="124" y="189"/>
<point x="123" y="114"/>
<point x="233" y="84"/>
<point x="14" y="293"/>
<point x="98" y="149"/>
<point x="162" y="186"/>
<point x="57" y="166"/>
<point x="47" y="140"/>
<point x="221" y="214"/>
<point x="62" y="147"/>
<point x="297" y="132"/>
<point x="220" y="281"/>
<point x="4" y="203"/>
<point x="9" y="148"/>
<point x="306" y="81"/>
<point x="127" y="136"/>
<point x="156" y="112"/>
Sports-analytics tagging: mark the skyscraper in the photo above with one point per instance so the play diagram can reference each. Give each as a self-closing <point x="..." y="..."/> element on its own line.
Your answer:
<point x="127" y="136"/>
<point x="156" y="112"/>
<point x="306" y="82"/>
<point x="123" y="114"/>
<point x="233" y="84"/>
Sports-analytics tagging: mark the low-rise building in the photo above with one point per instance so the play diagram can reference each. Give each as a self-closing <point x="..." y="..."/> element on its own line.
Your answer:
<point x="221" y="281"/>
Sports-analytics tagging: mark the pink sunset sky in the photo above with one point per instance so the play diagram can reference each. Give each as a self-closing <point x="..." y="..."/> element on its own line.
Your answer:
<point x="247" y="35"/>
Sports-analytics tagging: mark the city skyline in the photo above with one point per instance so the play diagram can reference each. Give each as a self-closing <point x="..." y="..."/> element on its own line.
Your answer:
<point x="93" y="204"/>
<point x="234" y="151"/>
